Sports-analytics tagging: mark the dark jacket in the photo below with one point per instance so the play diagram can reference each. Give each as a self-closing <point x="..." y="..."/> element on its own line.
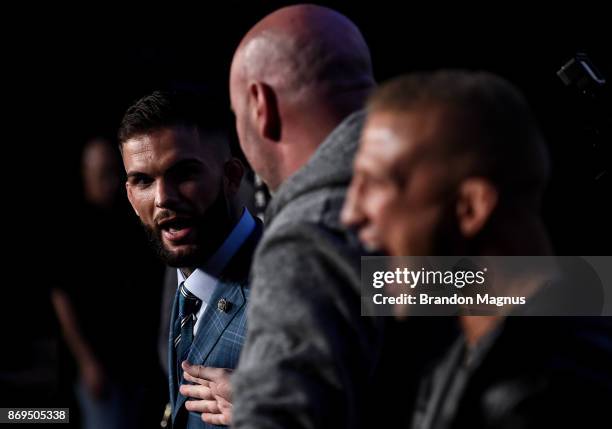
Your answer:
<point x="532" y="372"/>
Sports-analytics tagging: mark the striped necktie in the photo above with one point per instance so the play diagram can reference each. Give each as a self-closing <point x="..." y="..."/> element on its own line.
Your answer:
<point x="189" y="305"/>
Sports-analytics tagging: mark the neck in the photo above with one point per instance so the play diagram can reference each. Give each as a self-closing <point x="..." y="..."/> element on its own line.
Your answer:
<point x="317" y="118"/>
<point x="294" y="156"/>
<point x="476" y="327"/>
<point x="521" y="234"/>
<point x="187" y="271"/>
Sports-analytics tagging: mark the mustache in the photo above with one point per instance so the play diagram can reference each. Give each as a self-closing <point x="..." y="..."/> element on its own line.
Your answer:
<point x="167" y="214"/>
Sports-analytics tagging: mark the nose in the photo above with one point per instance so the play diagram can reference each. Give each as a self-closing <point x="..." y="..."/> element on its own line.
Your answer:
<point x="352" y="215"/>
<point x="166" y="194"/>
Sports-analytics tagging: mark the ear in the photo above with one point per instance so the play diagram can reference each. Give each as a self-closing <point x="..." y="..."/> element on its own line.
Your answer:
<point x="128" y="188"/>
<point x="264" y="110"/>
<point x="475" y="203"/>
<point x="233" y="170"/>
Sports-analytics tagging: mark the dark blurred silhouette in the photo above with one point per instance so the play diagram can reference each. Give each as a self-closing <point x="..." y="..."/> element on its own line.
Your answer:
<point x="112" y="277"/>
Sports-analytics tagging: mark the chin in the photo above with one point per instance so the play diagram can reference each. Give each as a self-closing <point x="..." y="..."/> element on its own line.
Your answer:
<point x="397" y="251"/>
<point x="186" y="256"/>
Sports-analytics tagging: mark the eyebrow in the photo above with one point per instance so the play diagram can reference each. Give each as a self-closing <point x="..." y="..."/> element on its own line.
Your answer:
<point x="187" y="162"/>
<point x="135" y="174"/>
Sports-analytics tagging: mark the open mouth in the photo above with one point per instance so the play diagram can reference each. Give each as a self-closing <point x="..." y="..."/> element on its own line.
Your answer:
<point x="371" y="242"/>
<point x="176" y="229"/>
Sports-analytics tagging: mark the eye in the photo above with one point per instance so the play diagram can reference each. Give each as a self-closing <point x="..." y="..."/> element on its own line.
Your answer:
<point x="141" y="180"/>
<point x="373" y="181"/>
<point x="187" y="172"/>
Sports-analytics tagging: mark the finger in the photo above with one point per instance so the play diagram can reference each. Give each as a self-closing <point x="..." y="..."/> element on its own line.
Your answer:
<point x="193" y="379"/>
<point x="223" y="403"/>
<point x="202" y="406"/>
<point x="213" y="374"/>
<point x="216" y="419"/>
<point x="193" y="370"/>
<point x="204" y="373"/>
<point x="195" y="391"/>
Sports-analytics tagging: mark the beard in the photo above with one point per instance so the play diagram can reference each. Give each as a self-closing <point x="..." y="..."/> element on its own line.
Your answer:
<point x="211" y="228"/>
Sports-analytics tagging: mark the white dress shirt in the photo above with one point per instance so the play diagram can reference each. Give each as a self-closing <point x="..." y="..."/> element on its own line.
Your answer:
<point x="203" y="281"/>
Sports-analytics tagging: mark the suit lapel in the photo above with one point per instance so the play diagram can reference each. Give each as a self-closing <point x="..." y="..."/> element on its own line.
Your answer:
<point x="213" y="325"/>
<point x="172" y="369"/>
<point x="214" y="320"/>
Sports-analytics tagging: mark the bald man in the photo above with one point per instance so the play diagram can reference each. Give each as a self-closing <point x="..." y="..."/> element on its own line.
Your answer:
<point x="298" y="80"/>
<point x="297" y="83"/>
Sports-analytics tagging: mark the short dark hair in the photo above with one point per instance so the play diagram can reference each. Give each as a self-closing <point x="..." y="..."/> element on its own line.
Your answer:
<point x="510" y="149"/>
<point x="207" y="112"/>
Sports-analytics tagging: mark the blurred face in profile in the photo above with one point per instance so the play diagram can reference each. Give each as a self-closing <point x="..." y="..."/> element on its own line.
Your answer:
<point x="400" y="199"/>
<point x="101" y="172"/>
<point x="179" y="187"/>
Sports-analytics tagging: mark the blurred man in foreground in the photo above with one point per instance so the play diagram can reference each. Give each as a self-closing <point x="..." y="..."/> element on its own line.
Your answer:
<point x="453" y="163"/>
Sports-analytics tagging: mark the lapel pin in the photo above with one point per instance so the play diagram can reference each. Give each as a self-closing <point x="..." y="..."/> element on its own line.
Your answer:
<point x="223" y="305"/>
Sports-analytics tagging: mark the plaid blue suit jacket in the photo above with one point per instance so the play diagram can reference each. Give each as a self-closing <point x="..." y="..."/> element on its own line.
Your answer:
<point x="221" y="333"/>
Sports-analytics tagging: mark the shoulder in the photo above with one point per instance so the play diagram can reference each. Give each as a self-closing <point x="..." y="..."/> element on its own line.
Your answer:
<point x="312" y="244"/>
<point x="315" y="211"/>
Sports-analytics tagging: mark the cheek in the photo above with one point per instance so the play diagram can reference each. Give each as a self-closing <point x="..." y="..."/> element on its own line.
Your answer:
<point x="201" y="194"/>
<point x="143" y="202"/>
<point x="397" y="226"/>
<point x="385" y="209"/>
<point x="240" y="134"/>
<point x="254" y="148"/>
<point x="377" y="204"/>
<point x="252" y="151"/>
<point x="402" y="226"/>
<point x="242" y="131"/>
<point x="249" y="153"/>
<point x="418" y="233"/>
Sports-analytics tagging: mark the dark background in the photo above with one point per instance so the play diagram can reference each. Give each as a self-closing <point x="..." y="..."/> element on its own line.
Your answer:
<point x="106" y="60"/>
<point x="78" y="69"/>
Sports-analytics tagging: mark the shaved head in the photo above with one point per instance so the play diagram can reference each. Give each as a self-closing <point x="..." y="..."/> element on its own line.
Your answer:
<point x="305" y="47"/>
<point x="295" y="76"/>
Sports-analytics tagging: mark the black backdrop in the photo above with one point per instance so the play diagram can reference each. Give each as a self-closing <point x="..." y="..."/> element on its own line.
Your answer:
<point x="100" y="62"/>
<point x="77" y="68"/>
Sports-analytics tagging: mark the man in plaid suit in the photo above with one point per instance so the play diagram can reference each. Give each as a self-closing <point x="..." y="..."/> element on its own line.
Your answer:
<point x="182" y="182"/>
